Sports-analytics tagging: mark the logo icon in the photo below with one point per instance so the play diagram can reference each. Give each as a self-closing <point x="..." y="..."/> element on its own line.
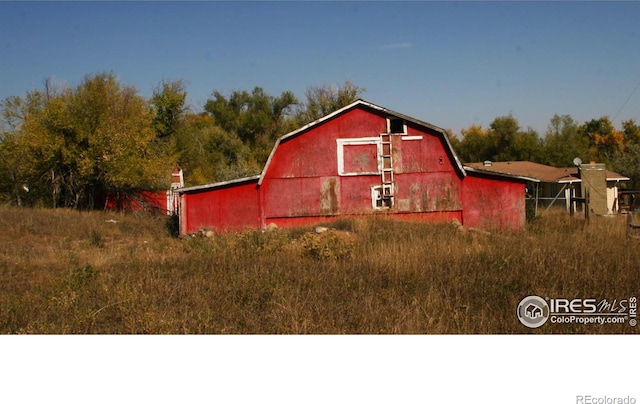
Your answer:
<point x="533" y="311"/>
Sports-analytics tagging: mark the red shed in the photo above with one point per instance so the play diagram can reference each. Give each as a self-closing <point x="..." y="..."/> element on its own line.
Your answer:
<point x="360" y="160"/>
<point x="165" y="201"/>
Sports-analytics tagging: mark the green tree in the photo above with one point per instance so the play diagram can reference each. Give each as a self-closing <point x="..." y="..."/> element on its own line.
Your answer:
<point x="255" y="117"/>
<point x="323" y="100"/>
<point x="626" y="160"/>
<point x="604" y="140"/>
<point x="509" y="143"/>
<point x="563" y="143"/>
<point x="502" y="141"/>
<point x="207" y="153"/>
<point x="10" y="155"/>
<point x="168" y="102"/>
<point x="502" y="132"/>
<point x="475" y="145"/>
<point x="631" y="132"/>
<point x="23" y="150"/>
<point x="627" y="163"/>
<point x="14" y="170"/>
<point x="526" y="146"/>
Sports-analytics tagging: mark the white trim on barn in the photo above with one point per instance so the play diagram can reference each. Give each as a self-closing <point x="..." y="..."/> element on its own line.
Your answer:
<point x="391" y="124"/>
<point x="341" y="143"/>
<point x="411" y="137"/>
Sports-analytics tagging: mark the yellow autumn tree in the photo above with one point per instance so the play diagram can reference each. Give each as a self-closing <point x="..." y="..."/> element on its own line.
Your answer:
<point x="90" y="140"/>
<point x="604" y="139"/>
<point x="476" y="145"/>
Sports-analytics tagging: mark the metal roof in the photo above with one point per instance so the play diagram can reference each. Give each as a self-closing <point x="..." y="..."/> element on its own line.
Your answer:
<point x="536" y="172"/>
<point x="493" y="173"/>
<point x="205" y="187"/>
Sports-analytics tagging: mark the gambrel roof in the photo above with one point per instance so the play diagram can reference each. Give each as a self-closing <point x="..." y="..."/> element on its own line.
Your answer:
<point x="441" y="133"/>
<point x="362" y="103"/>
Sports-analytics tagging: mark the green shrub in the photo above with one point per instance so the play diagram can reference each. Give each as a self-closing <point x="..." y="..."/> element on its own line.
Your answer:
<point x="253" y="240"/>
<point x="81" y="278"/>
<point x="95" y="239"/>
<point x="330" y="245"/>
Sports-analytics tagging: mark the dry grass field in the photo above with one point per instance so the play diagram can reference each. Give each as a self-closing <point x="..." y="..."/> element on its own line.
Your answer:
<point x="70" y="272"/>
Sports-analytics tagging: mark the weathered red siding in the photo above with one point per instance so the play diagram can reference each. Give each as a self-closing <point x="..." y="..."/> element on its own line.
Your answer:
<point x="430" y="217"/>
<point x="150" y="201"/>
<point x="428" y="192"/>
<point x="493" y="204"/>
<point x="226" y="208"/>
<point x="303" y="178"/>
<point x="426" y="155"/>
<point x="313" y="153"/>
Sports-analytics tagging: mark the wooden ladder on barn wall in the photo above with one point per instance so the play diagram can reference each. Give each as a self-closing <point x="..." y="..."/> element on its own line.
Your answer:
<point x="387" y="191"/>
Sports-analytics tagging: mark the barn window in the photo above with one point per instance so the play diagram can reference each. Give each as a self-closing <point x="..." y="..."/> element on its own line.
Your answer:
<point x="359" y="156"/>
<point x="381" y="197"/>
<point x="396" y="126"/>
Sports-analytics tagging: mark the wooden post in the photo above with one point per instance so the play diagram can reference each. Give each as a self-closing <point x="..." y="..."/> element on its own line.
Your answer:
<point x="586" y="205"/>
<point x="535" y="213"/>
<point x="631" y="226"/>
<point x="571" y="205"/>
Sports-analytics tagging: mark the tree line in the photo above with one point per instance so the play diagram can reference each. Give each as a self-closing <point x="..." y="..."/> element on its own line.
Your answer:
<point x="564" y="140"/>
<point x="67" y="146"/>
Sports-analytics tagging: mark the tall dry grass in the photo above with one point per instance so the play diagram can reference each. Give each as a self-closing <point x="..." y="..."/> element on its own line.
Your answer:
<point x="98" y="272"/>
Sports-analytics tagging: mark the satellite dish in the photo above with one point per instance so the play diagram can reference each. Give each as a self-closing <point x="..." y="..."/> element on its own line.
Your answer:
<point x="577" y="161"/>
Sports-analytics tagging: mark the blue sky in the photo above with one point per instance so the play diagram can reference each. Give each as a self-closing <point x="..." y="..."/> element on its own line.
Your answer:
<point x="452" y="64"/>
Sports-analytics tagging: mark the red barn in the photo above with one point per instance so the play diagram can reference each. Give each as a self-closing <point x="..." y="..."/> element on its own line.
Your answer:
<point x="360" y="160"/>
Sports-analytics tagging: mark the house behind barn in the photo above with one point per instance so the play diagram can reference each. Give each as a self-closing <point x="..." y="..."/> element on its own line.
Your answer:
<point x="359" y="161"/>
<point x="548" y="186"/>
